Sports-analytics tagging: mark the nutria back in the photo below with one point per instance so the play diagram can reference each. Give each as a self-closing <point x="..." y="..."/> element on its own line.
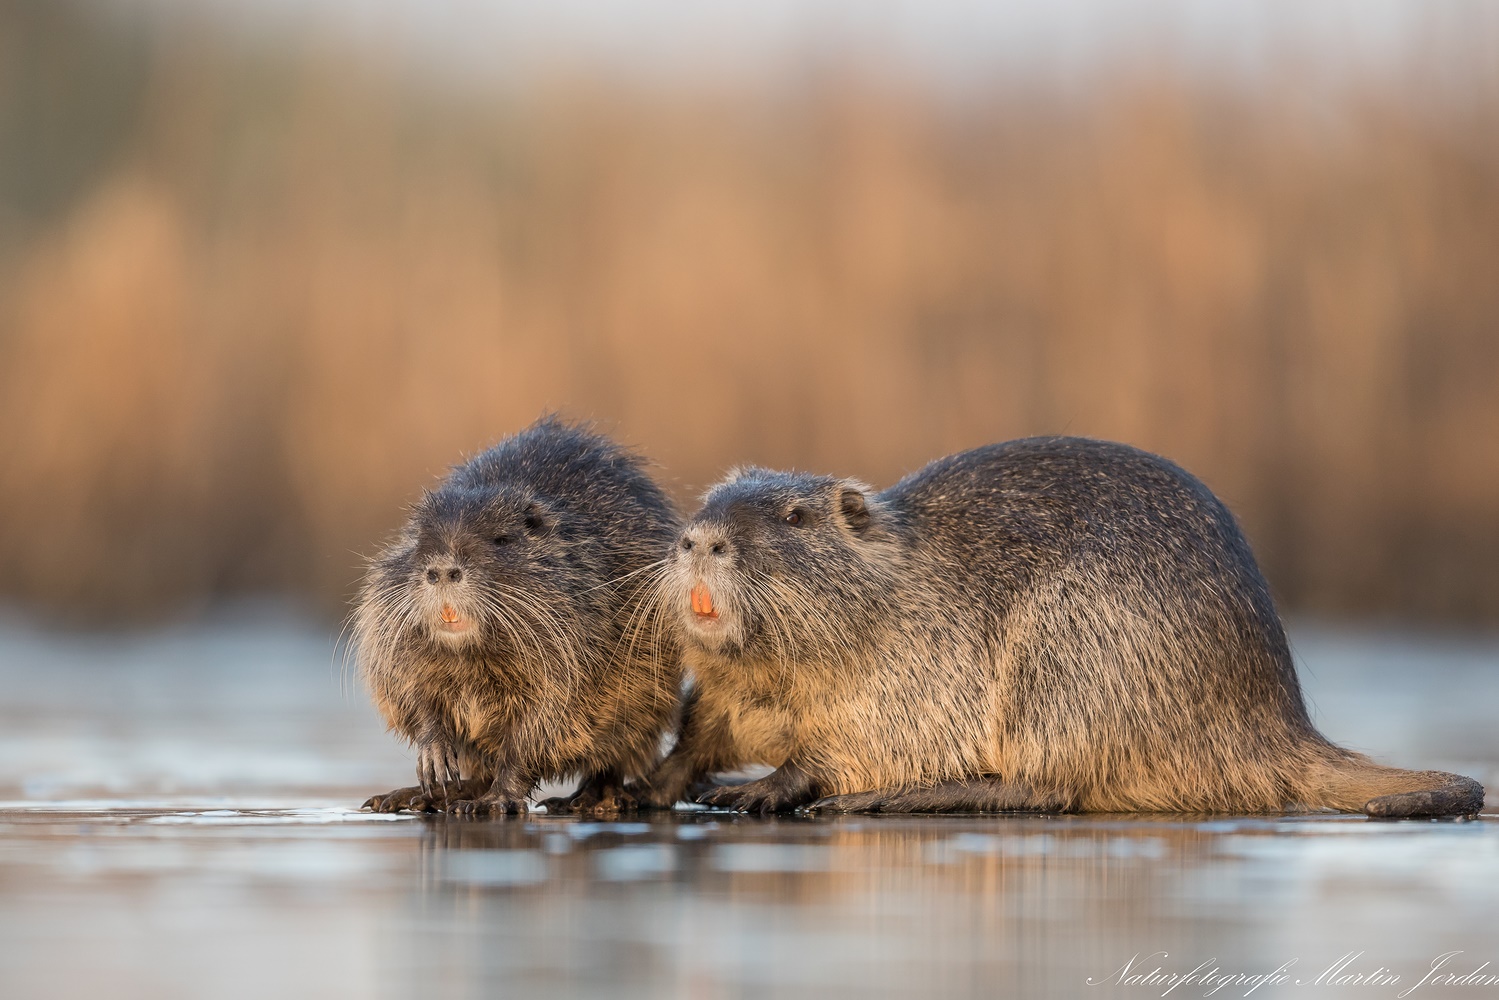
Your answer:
<point x="1141" y="658"/>
<point x="497" y="633"/>
<point x="1051" y="623"/>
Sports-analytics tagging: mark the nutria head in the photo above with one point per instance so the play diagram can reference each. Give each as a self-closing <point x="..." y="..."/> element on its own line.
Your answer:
<point x="526" y="554"/>
<point x="781" y="565"/>
<point x="463" y="561"/>
<point x="480" y="570"/>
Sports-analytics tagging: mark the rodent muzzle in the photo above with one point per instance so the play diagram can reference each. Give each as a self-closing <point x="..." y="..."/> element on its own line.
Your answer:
<point x="444" y="578"/>
<point x="705" y="552"/>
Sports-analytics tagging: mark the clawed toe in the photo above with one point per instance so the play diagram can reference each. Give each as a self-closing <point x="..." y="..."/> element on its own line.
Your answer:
<point x="722" y="797"/>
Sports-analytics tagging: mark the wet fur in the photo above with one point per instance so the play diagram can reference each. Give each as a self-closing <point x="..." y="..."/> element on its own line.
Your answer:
<point x="1051" y="623"/>
<point x="552" y="531"/>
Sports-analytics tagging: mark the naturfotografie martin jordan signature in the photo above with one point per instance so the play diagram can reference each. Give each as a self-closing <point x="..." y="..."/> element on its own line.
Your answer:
<point x="1444" y="970"/>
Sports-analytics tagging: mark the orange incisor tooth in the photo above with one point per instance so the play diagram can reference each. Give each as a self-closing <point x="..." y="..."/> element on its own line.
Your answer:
<point x="449" y="614"/>
<point x="702" y="600"/>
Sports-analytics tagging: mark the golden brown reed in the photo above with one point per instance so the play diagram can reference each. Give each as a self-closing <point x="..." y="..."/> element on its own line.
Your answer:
<point x="299" y="289"/>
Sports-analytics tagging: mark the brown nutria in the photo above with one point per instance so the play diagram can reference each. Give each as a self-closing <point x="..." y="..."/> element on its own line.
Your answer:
<point x="1048" y="624"/>
<point x="495" y="632"/>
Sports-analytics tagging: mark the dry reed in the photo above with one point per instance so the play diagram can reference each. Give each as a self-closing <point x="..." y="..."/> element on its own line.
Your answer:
<point x="295" y="289"/>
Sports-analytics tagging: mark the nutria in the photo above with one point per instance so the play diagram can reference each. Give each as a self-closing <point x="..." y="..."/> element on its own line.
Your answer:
<point x="497" y="635"/>
<point x="1048" y="624"/>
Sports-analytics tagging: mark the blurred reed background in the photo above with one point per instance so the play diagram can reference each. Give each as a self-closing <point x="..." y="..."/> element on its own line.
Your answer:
<point x="259" y="287"/>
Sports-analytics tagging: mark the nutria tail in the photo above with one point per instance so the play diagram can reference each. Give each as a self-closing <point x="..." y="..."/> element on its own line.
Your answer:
<point x="1354" y="783"/>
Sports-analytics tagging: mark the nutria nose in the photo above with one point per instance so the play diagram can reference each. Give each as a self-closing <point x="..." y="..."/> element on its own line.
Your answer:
<point x="450" y="573"/>
<point x="710" y="539"/>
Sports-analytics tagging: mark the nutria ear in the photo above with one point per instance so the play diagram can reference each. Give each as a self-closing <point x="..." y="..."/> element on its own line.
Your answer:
<point x="853" y="508"/>
<point x="539" y="520"/>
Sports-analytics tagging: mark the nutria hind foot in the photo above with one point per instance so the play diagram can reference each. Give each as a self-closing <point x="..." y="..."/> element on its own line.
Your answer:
<point x="601" y="796"/>
<point x="972" y="795"/>
<point x="1461" y="796"/>
<point x="780" y="791"/>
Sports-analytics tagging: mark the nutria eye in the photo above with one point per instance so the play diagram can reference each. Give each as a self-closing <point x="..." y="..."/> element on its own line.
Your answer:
<point x="502" y="539"/>
<point x="795" y="517"/>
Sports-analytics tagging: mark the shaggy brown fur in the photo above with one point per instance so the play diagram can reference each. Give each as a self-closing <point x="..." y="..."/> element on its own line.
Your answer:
<point x="1052" y="624"/>
<point x="533" y="551"/>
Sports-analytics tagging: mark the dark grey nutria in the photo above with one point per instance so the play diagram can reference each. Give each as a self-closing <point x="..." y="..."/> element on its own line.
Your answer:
<point x="496" y="632"/>
<point x="1048" y="624"/>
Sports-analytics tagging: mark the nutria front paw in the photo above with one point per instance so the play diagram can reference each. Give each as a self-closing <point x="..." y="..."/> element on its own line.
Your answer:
<point x="504" y="796"/>
<point x="608" y="807"/>
<point x="411" y="799"/>
<point x="594" y="801"/>
<point x="437" y="768"/>
<point x="488" y="805"/>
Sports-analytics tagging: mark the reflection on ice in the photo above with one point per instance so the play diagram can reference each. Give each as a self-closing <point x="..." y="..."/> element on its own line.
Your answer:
<point x="1043" y="845"/>
<point x="774" y="858"/>
<point x="637" y="861"/>
<point x="695" y="904"/>
<point x="494" y="867"/>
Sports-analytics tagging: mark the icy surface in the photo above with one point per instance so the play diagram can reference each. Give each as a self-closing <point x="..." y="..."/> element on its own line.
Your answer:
<point x="178" y="818"/>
